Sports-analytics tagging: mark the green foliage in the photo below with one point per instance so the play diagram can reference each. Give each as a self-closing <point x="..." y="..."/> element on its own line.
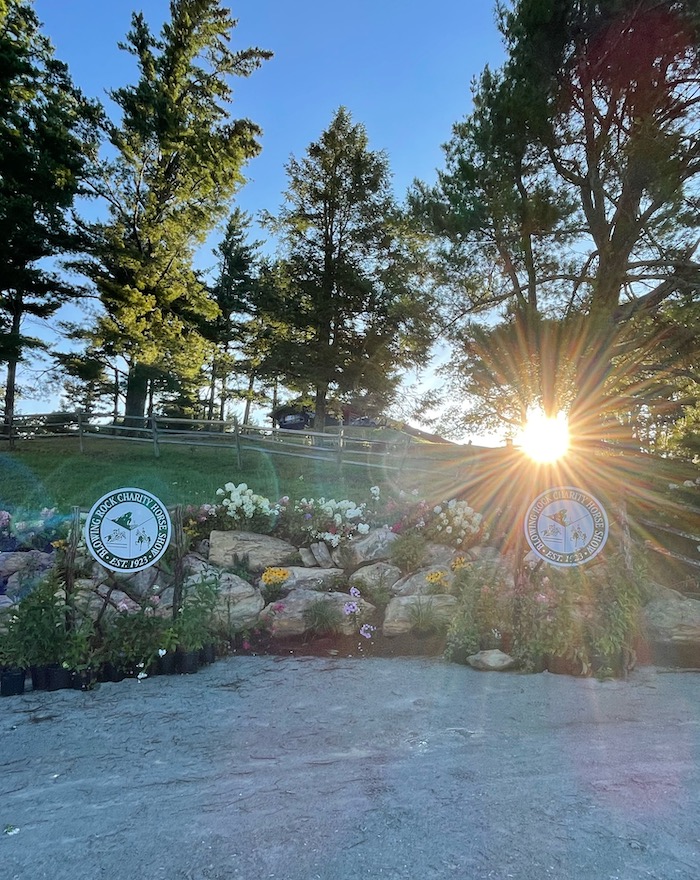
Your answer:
<point x="178" y="162"/>
<point x="323" y="617"/>
<point x="408" y="551"/>
<point x="47" y="138"/>
<point x="567" y="216"/>
<point x="40" y="619"/>
<point x="350" y="307"/>
<point x="132" y="638"/>
<point x="195" y="621"/>
<point x="424" y="617"/>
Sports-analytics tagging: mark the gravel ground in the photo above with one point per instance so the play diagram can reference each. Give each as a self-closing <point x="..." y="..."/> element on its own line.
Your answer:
<point x="311" y="769"/>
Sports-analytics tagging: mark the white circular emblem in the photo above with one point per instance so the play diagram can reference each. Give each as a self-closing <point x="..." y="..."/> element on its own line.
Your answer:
<point x="566" y="526"/>
<point x="128" y="530"/>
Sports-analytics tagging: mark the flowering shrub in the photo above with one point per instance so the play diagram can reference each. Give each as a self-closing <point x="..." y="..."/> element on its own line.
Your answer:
<point x="246" y="509"/>
<point x="321" y="519"/>
<point x="456" y="524"/>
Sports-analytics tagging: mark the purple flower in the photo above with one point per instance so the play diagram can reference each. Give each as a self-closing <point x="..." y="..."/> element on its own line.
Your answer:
<point x="351" y="608"/>
<point x="354" y="592"/>
<point x="366" y="630"/>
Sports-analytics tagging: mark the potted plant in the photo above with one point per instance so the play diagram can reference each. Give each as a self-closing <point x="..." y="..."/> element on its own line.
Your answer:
<point x="41" y="628"/>
<point x="13" y="660"/>
<point x="193" y="624"/>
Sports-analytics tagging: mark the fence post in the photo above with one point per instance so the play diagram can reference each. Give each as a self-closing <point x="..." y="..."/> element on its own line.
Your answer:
<point x="154" y="432"/>
<point x="237" y="433"/>
<point x="340" y="445"/>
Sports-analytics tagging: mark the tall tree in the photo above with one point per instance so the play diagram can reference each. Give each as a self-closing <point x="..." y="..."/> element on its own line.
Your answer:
<point x="178" y="163"/>
<point x="47" y="136"/>
<point x="351" y="308"/>
<point x="593" y="124"/>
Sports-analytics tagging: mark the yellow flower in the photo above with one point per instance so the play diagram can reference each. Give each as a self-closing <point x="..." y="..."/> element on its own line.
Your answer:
<point x="274" y="576"/>
<point x="436" y="577"/>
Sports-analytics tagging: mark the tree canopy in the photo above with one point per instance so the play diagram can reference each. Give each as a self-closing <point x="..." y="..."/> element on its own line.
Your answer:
<point x="177" y="159"/>
<point x="47" y="138"/>
<point x="568" y="212"/>
<point x="350" y="302"/>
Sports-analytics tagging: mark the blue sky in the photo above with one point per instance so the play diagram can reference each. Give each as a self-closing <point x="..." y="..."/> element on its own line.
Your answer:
<point x="402" y="68"/>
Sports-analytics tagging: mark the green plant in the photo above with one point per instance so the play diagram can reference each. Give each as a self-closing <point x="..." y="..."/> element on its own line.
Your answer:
<point x="323" y="617"/>
<point x="80" y="649"/>
<point x="41" y="623"/>
<point x="194" y="624"/>
<point x="425" y="618"/>
<point x="13" y="654"/>
<point x="408" y="551"/>
<point x="133" y="637"/>
<point x="273" y="580"/>
<point x="377" y="594"/>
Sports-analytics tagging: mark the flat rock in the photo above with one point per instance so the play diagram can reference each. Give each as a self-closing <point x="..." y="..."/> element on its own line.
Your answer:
<point x="262" y="551"/>
<point x="399" y="617"/>
<point x="301" y="578"/>
<point x="322" y="555"/>
<point x="372" y="547"/>
<point x="286" y="616"/>
<point x="491" y="661"/>
<point x="417" y="584"/>
<point x="672" y="618"/>
<point x="377" y="574"/>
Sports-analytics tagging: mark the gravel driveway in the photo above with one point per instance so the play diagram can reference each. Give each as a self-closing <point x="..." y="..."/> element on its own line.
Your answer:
<point x="310" y="769"/>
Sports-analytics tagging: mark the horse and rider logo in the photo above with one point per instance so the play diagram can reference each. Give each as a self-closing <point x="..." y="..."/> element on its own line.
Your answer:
<point x="566" y="526"/>
<point x="128" y="530"/>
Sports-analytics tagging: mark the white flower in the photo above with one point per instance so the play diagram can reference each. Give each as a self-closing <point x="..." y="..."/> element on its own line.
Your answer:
<point x="673" y="486"/>
<point x="437" y="509"/>
<point x="375" y="492"/>
<point x="229" y="487"/>
<point x="363" y="529"/>
<point x="689" y="483"/>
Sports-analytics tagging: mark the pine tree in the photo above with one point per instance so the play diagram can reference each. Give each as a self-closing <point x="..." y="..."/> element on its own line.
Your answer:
<point x="350" y="307"/>
<point x="47" y="137"/>
<point x="178" y="163"/>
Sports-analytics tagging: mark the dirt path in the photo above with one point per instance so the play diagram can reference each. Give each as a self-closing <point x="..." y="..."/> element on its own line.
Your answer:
<point x="302" y="768"/>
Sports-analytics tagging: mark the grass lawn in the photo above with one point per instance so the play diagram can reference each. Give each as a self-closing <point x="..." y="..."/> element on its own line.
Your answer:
<point x="47" y="473"/>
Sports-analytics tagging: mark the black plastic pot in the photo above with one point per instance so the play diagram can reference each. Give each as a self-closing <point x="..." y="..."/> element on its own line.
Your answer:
<point x="40" y="677"/>
<point x="207" y="654"/>
<point x="59" y="678"/>
<point x="12" y="682"/>
<point x="188" y="662"/>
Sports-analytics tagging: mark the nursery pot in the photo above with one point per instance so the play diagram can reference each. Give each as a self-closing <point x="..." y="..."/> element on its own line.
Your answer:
<point x="59" y="678"/>
<point x="40" y="677"/>
<point x="11" y="682"/>
<point x="167" y="663"/>
<point x="207" y="654"/>
<point x="110" y="672"/>
<point x="188" y="662"/>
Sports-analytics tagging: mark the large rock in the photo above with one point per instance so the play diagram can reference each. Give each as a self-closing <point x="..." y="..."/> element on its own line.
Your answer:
<point x="23" y="560"/>
<point x="417" y="583"/>
<point x="301" y="578"/>
<point x="372" y="547"/>
<point x="261" y="551"/>
<point x="375" y="576"/>
<point x="286" y="616"/>
<point x="672" y="618"/>
<point x="491" y="661"/>
<point x="402" y="612"/>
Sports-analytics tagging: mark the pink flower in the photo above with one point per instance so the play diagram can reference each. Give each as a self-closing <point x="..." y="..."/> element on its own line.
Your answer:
<point x="246" y="645"/>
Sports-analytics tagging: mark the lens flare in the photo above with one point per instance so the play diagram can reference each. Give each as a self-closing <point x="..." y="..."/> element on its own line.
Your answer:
<point x="544" y="439"/>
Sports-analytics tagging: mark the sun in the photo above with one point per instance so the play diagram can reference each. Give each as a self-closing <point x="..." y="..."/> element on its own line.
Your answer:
<point x="545" y="439"/>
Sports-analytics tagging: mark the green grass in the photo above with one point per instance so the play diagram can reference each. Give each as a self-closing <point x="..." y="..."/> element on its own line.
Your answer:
<point x="47" y="473"/>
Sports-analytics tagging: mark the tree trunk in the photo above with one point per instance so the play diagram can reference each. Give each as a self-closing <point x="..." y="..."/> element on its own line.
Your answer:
<point x="212" y="391"/>
<point x="320" y="407"/>
<point x="249" y="399"/>
<point x="11" y="380"/>
<point x="10" y="400"/>
<point x="136" y="394"/>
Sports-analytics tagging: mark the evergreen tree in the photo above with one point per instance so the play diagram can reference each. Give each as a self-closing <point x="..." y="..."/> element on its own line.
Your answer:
<point x="351" y="310"/>
<point x="178" y="163"/>
<point x="47" y="137"/>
